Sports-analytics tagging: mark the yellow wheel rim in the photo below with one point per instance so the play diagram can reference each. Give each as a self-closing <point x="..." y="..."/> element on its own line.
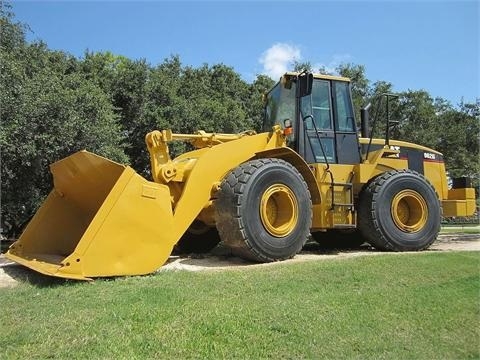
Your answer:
<point x="279" y="210"/>
<point x="409" y="211"/>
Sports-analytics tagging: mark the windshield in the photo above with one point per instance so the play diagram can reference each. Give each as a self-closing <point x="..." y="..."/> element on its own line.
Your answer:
<point x="280" y="106"/>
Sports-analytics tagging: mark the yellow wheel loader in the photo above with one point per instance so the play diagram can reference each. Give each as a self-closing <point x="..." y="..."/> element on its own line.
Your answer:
<point x="262" y="194"/>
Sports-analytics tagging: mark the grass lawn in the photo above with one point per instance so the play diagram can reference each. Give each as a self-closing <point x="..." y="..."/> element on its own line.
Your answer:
<point x="408" y="306"/>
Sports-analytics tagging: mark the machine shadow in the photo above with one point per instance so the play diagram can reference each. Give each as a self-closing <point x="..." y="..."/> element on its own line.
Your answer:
<point x="22" y="274"/>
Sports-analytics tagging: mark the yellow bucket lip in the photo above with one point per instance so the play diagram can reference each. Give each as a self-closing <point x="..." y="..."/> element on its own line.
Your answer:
<point x="43" y="267"/>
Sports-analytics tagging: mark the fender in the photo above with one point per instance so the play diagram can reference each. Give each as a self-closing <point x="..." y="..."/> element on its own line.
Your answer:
<point x="297" y="161"/>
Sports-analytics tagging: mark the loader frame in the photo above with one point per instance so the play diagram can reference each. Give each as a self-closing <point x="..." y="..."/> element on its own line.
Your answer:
<point x="263" y="192"/>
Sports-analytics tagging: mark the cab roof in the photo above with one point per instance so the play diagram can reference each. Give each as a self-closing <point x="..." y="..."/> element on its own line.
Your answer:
<point x="320" y="76"/>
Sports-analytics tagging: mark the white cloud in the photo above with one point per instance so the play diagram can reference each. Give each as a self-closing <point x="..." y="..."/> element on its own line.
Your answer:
<point x="331" y="66"/>
<point x="278" y="59"/>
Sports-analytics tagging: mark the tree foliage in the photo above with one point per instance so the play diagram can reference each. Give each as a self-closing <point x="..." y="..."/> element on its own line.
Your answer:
<point x="48" y="111"/>
<point x="53" y="104"/>
<point x="459" y="138"/>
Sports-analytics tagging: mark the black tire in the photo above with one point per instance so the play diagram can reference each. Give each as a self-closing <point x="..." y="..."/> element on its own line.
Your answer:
<point x="248" y="214"/>
<point x="399" y="211"/>
<point x="339" y="239"/>
<point x="198" y="239"/>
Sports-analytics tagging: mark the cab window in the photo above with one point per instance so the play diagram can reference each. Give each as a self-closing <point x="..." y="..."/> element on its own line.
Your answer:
<point x="280" y="106"/>
<point x="345" y="120"/>
<point x="321" y="105"/>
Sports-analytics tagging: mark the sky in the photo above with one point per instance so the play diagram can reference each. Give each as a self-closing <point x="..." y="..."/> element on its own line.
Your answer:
<point x="430" y="45"/>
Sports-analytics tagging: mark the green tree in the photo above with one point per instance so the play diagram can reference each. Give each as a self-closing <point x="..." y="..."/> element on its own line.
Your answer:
<point x="163" y="108"/>
<point x="125" y="82"/>
<point x="215" y="98"/>
<point x="48" y="111"/>
<point x="122" y="79"/>
<point x="417" y="118"/>
<point x="359" y="85"/>
<point x="255" y="103"/>
<point x="458" y="137"/>
<point x="303" y="66"/>
<point x="12" y="33"/>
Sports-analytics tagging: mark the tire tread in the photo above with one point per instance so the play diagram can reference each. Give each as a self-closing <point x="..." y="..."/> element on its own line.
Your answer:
<point x="232" y="227"/>
<point x="368" y="221"/>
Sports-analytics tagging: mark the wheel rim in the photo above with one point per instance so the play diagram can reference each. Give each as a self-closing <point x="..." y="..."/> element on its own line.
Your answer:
<point x="279" y="210"/>
<point x="409" y="211"/>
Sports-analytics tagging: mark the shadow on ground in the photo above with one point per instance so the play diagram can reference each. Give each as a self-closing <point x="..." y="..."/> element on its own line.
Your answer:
<point x="11" y="274"/>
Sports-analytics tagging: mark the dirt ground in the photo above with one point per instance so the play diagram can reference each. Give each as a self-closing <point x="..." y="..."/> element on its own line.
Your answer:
<point x="11" y="273"/>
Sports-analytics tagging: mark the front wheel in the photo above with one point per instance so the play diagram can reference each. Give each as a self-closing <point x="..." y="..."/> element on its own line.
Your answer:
<point x="264" y="210"/>
<point x="400" y="211"/>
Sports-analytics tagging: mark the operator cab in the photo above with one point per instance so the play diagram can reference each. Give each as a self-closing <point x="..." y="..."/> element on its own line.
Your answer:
<point x="321" y="115"/>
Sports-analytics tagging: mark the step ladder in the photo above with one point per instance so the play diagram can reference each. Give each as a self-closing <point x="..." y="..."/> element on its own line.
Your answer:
<point x="348" y="205"/>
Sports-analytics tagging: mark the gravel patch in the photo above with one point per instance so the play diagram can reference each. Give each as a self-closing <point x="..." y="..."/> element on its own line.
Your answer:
<point x="220" y="259"/>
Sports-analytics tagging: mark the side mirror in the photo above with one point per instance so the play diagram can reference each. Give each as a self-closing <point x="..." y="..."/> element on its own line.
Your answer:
<point x="304" y="84"/>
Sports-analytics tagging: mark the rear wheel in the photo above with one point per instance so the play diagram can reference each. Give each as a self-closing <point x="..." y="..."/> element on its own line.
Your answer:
<point x="399" y="211"/>
<point x="264" y="211"/>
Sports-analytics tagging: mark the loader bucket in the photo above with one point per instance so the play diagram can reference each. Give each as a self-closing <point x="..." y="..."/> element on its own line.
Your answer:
<point x="101" y="219"/>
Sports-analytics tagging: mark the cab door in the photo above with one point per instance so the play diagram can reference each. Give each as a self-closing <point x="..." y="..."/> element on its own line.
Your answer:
<point x="329" y="131"/>
<point x="317" y="143"/>
<point x="346" y="137"/>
